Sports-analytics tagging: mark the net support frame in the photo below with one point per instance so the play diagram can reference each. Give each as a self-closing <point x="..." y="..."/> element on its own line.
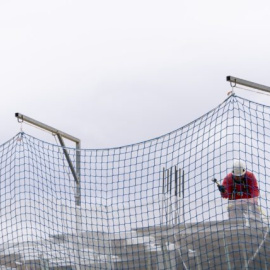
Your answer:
<point x="75" y="172"/>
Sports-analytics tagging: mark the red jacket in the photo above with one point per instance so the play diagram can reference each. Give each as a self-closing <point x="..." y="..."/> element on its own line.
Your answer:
<point x="247" y="188"/>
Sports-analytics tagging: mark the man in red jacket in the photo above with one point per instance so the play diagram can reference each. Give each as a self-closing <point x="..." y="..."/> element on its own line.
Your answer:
<point x="241" y="188"/>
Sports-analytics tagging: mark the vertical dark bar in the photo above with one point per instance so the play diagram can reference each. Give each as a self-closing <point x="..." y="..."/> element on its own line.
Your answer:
<point x="163" y="181"/>
<point x="179" y="194"/>
<point x="179" y="191"/>
<point x="183" y="184"/>
<point x="175" y="181"/>
<point x="183" y="192"/>
<point x="171" y="181"/>
<point x="168" y="180"/>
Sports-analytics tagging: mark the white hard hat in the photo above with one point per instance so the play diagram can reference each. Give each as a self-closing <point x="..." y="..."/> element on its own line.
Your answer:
<point x="239" y="168"/>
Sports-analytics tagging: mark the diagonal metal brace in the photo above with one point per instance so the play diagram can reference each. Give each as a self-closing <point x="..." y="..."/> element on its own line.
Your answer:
<point x="67" y="157"/>
<point x="60" y="135"/>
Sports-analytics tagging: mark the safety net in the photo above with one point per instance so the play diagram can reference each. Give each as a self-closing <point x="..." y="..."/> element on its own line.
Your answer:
<point x="149" y="205"/>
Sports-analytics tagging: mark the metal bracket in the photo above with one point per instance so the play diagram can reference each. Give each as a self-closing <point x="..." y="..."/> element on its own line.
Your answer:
<point x="60" y="136"/>
<point x="248" y="84"/>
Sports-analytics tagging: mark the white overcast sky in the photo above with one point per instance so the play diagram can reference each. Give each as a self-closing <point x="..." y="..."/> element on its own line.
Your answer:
<point x="119" y="72"/>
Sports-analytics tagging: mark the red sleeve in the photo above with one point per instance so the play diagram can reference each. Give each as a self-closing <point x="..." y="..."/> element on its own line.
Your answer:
<point x="253" y="188"/>
<point x="228" y="187"/>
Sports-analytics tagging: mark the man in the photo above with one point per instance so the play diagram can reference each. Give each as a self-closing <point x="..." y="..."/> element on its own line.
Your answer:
<point x="240" y="187"/>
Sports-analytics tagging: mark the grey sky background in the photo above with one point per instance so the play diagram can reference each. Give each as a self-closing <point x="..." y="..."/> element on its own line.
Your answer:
<point x="119" y="72"/>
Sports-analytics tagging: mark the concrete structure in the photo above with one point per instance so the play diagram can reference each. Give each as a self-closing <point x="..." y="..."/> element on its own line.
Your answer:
<point x="227" y="244"/>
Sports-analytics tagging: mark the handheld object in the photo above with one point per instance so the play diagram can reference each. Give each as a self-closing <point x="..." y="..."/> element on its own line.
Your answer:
<point x="215" y="181"/>
<point x="221" y="188"/>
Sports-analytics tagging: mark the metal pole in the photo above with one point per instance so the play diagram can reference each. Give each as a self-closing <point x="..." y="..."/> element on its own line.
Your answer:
<point x="175" y="195"/>
<point x="175" y="181"/>
<point x="171" y="200"/>
<point x="183" y="194"/>
<point x="179" y="195"/>
<point x="163" y="181"/>
<point x="78" y="200"/>
<point x="167" y="197"/>
<point x="171" y="181"/>
<point x="168" y="180"/>
<point x="163" y="195"/>
<point x="46" y="127"/>
<point x="183" y="184"/>
<point x="248" y="83"/>
<point x="179" y="175"/>
<point x="76" y="174"/>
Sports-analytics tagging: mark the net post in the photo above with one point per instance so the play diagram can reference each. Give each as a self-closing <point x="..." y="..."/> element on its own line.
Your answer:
<point x="78" y="200"/>
<point x="175" y="195"/>
<point x="78" y="173"/>
<point x="75" y="173"/>
<point x="163" y="195"/>
<point x="179" y="194"/>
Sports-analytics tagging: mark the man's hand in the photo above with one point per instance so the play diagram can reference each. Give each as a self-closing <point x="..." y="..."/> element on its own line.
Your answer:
<point x="221" y="188"/>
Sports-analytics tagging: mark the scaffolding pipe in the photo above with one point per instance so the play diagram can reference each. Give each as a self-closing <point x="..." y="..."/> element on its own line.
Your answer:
<point x="248" y="84"/>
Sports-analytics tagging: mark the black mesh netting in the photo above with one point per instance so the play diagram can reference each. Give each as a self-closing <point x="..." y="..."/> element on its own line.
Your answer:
<point x="150" y="205"/>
